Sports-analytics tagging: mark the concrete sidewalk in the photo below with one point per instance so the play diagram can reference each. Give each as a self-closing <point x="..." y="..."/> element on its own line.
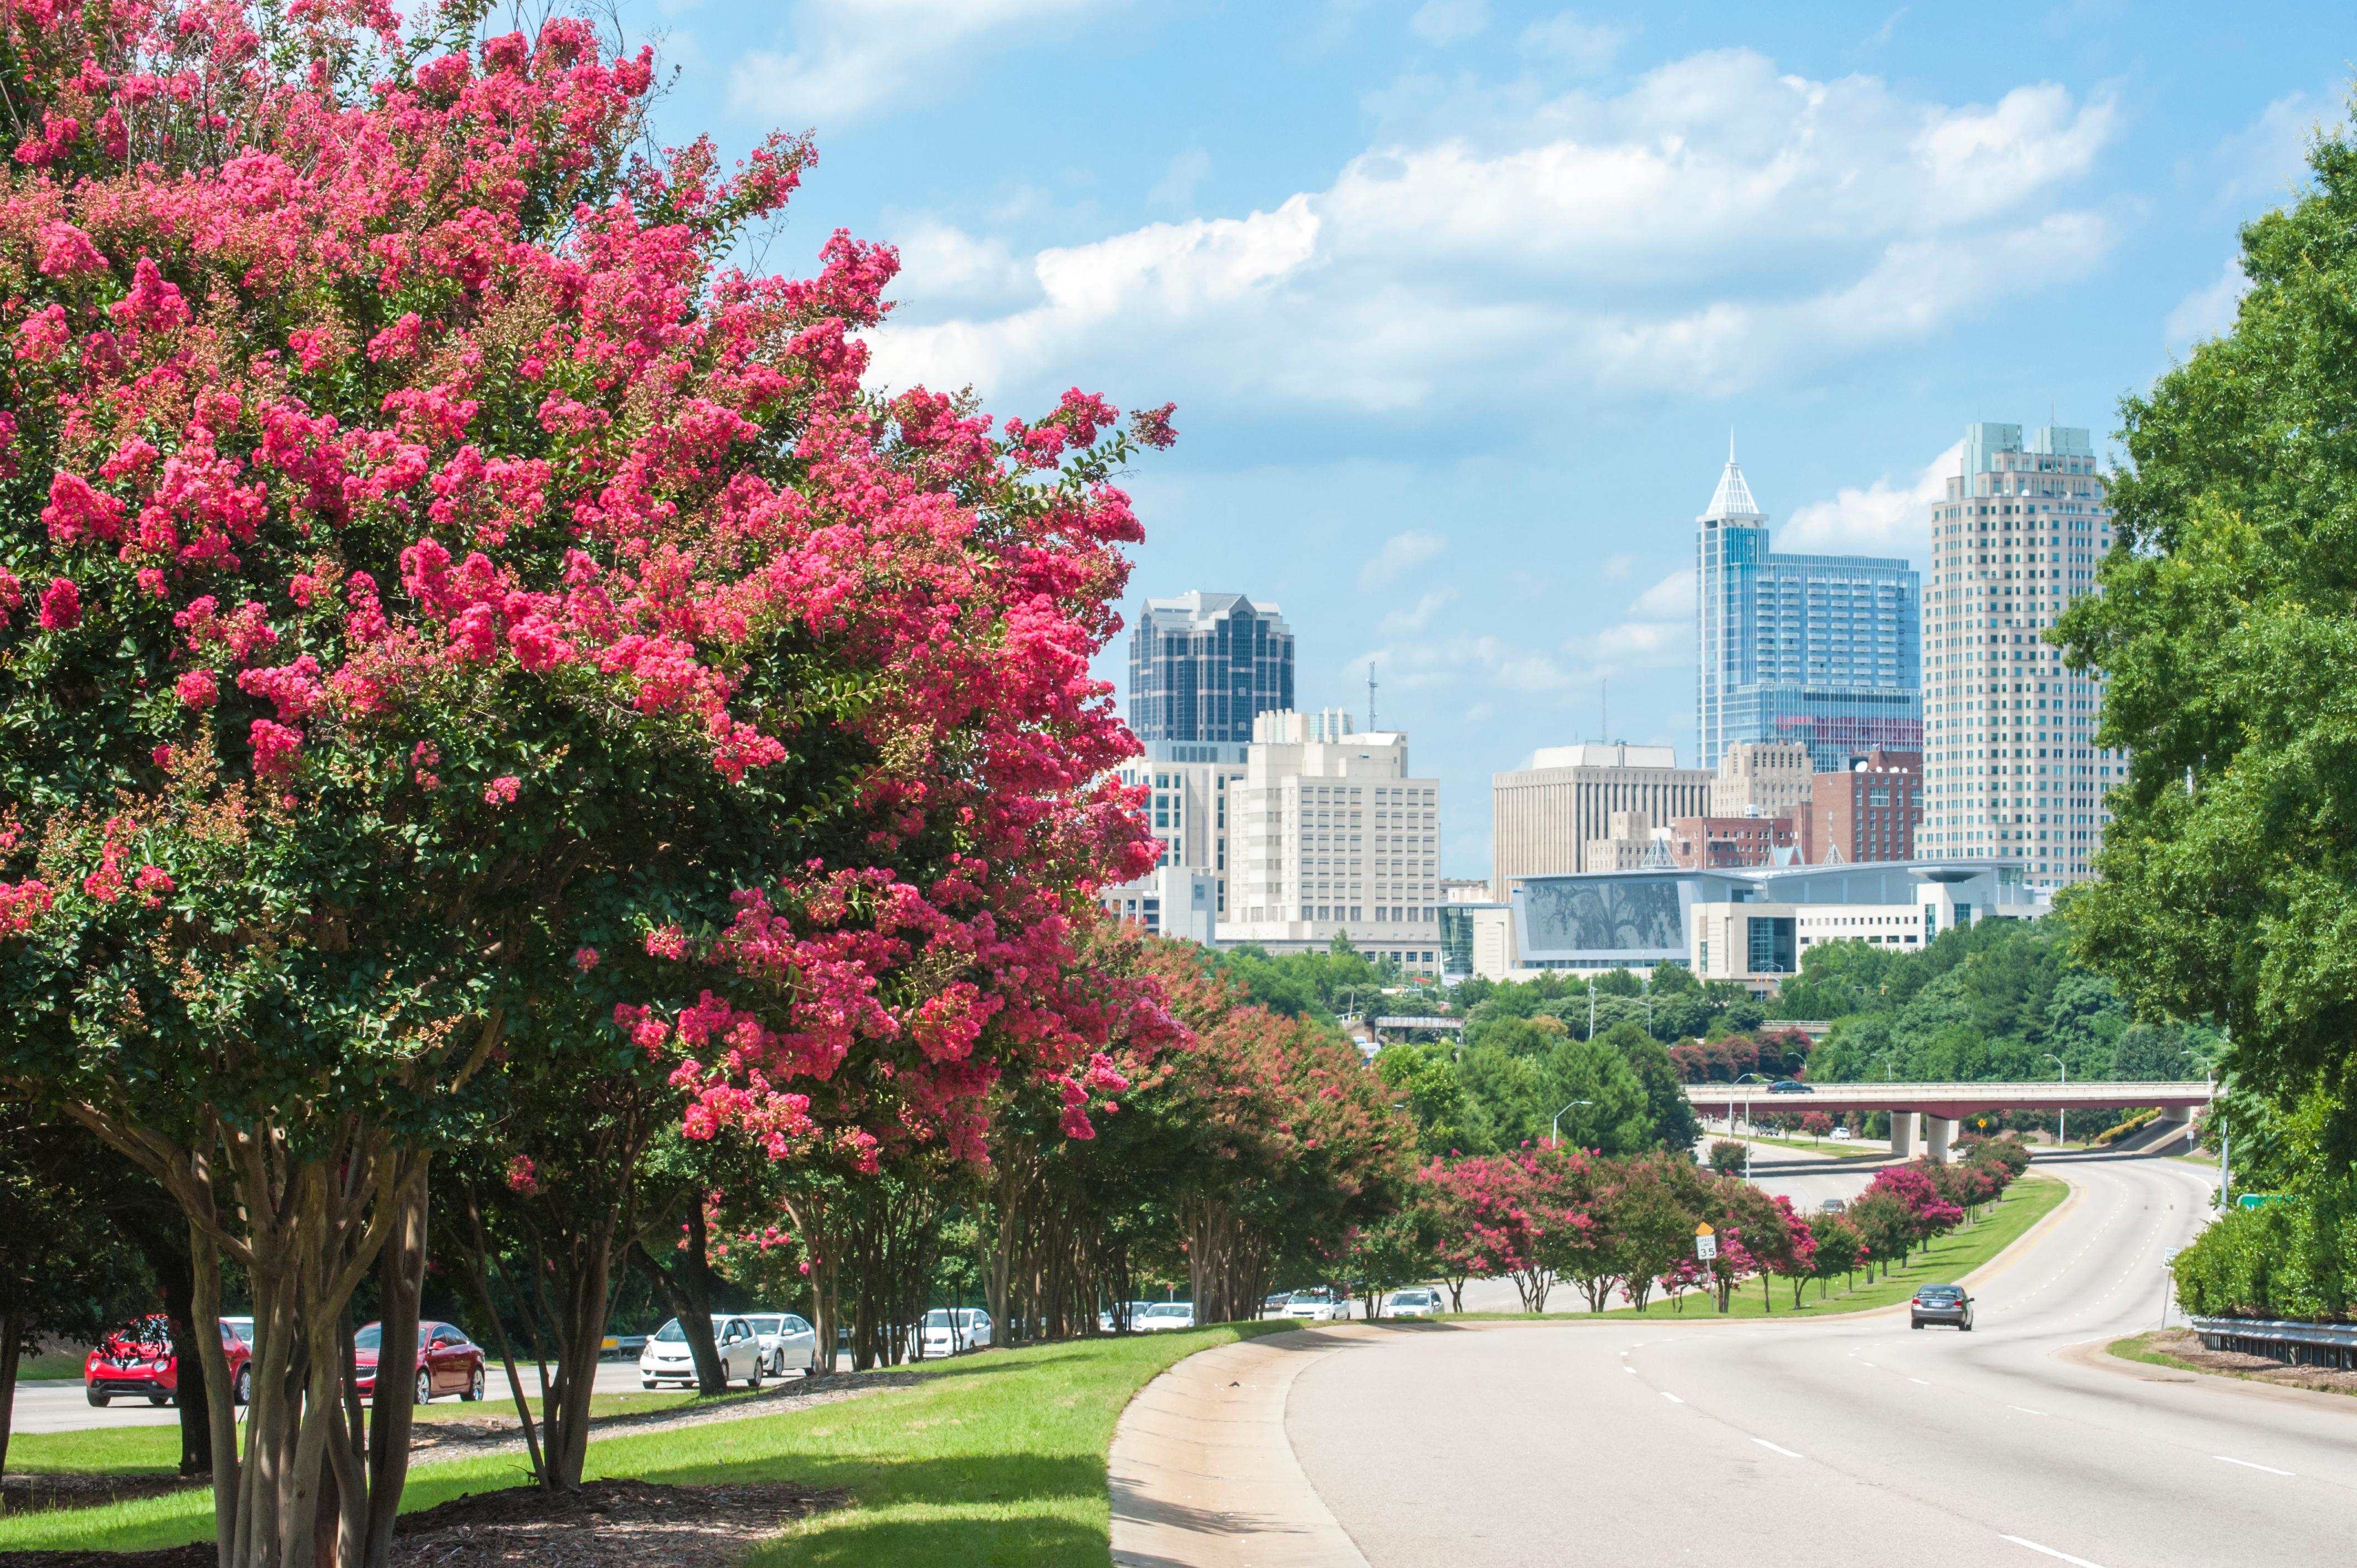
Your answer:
<point x="1202" y="1475"/>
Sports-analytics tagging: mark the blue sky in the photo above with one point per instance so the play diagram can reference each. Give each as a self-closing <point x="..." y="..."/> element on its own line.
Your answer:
<point x="1459" y="300"/>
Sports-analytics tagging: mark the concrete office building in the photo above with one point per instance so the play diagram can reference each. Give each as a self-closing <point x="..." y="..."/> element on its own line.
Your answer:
<point x="1330" y="833"/>
<point x="1869" y="812"/>
<point x="1201" y="668"/>
<point x="2012" y="768"/>
<point x="1822" y="650"/>
<point x="1187" y="804"/>
<point x="1761" y="778"/>
<point x="1545" y="815"/>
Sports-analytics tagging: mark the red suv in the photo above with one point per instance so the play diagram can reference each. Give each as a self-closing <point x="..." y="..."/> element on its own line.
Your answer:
<point x="447" y="1361"/>
<point x="138" y="1360"/>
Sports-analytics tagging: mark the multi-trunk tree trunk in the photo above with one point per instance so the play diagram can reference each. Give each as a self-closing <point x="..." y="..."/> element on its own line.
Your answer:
<point x="1227" y="1263"/>
<point x="307" y="1211"/>
<point x="686" y="1286"/>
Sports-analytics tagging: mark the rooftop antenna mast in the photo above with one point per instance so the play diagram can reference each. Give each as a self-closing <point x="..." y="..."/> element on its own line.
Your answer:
<point x="1371" y="695"/>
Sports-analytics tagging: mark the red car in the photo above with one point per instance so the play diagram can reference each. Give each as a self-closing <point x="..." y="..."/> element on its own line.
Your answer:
<point x="447" y="1361"/>
<point x="138" y="1360"/>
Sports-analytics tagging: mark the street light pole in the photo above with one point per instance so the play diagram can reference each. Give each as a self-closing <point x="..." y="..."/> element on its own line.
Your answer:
<point x="1555" y="1128"/>
<point x="2063" y="1113"/>
<point x="1750" y="1131"/>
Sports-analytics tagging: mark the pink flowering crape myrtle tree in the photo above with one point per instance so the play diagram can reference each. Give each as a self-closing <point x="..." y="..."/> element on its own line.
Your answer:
<point x="443" y="603"/>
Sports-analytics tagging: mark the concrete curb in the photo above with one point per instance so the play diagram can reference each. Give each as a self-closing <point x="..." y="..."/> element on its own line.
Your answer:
<point x="1202" y="1475"/>
<point x="2096" y="1354"/>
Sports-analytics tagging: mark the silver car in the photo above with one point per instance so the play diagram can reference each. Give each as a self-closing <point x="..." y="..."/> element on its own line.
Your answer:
<point x="786" y="1342"/>
<point x="666" y="1358"/>
<point x="1416" y="1301"/>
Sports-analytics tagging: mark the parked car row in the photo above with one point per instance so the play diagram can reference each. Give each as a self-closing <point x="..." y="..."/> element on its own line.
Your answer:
<point x="751" y="1346"/>
<point x="138" y="1362"/>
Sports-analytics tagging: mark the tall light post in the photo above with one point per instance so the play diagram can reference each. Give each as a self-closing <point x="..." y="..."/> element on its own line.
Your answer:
<point x="1749" y="1132"/>
<point x="1555" y="1128"/>
<point x="2061" y="1113"/>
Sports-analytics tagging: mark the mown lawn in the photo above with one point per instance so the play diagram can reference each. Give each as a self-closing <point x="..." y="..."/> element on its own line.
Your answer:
<point x="993" y="1458"/>
<point x="1950" y="1258"/>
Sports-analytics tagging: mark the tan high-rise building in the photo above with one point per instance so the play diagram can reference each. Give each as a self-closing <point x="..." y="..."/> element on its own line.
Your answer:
<point x="1761" y="778"/>
<point x="2012" y="770"/>
<point x="1545" y="815"/>
<point x="1328" y="833"/>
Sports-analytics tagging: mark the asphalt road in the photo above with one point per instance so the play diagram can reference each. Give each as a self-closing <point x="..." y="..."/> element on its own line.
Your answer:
<point x="1840" y="1441"/>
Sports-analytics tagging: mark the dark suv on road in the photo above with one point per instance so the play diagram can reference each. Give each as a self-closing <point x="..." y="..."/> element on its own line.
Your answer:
<point x="1942" y="1304"/>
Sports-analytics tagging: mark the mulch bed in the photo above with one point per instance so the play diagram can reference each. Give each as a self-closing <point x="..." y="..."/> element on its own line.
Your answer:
<point x="34" y="1491"/>
<point x="605" y="1524"/>
<point x="2184" y="1345"/>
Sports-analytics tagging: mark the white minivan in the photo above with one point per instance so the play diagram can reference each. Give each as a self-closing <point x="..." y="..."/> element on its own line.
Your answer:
<point x="666" y="1358"/>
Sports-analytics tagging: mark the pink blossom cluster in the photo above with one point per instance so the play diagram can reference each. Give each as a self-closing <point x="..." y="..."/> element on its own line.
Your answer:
<point x="588" y="465"/>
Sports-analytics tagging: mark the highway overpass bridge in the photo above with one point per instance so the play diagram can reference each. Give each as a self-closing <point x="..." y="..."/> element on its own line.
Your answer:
<point x="1943" y="1105"/>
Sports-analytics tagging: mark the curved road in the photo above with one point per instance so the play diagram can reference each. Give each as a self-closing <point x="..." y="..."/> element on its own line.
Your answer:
<point x="1841" y="1440"/>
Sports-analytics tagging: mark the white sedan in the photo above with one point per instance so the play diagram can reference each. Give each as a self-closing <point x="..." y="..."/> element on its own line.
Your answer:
<point x="1416" y="1301"/>
<point x="786" y="1342"/>
<point x="666" y="1358"/>
<point x="1316" y="1306"/>
<point x="948" y="1330"/>
<point x="1164" y="1314"/>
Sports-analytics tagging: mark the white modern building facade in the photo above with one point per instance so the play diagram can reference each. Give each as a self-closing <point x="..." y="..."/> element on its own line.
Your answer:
<point x="1330" y="833"/>
<point x="2013" y="771"/>
<point x="1820" y="650"/>
<point x="1752" y="925"/>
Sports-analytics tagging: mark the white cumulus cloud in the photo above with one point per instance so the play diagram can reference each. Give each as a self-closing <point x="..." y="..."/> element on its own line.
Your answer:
<point x="852" y="56"/>
<point x="1448" y="21"/>
<point x="1400" y="553"/>
<point x="1405" y="623"/>
<point x="2208" y="312"/>
<point x="1714" y="228"/>
<point x="1585" y="46"/>
<point x="1882" y="519"/>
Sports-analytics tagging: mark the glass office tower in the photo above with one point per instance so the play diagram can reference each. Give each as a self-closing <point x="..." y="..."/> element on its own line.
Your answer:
<point x="1824" y="649"/>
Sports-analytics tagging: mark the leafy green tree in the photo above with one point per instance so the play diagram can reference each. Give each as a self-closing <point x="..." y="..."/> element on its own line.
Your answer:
<point x="1425" y="1077"/>
<point x="2227" y="630"/>
<point x="1674" y="1126"/>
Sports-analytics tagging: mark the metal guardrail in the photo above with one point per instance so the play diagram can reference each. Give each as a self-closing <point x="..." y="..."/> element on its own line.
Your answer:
<point x="2330" y="1345"/>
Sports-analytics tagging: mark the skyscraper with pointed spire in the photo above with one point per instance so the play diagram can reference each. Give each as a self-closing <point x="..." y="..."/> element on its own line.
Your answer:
<point x="1824" y="649"/>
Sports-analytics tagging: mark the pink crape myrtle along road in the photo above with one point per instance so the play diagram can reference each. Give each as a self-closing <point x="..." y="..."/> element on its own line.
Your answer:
<point x="444" y="604"/>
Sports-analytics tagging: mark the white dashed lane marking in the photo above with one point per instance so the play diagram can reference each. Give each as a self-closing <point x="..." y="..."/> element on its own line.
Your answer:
<point x="2245" y="1464"/>
<point x="2049" y="1551"/>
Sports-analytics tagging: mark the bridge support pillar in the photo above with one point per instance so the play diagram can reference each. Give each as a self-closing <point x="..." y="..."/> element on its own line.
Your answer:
<point x="1937" y="1133"/>
<point x="1902" y="1133"/>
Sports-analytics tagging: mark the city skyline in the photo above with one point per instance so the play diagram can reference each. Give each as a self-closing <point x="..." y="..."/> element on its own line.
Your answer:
<point x="1458" y="300"/>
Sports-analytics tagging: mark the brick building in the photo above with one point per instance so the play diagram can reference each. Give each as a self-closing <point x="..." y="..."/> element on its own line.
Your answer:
<point x="1702" y="843"/>
<point x="1869" y="813"/>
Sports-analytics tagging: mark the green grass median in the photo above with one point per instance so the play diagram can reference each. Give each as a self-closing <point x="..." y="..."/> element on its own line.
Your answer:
<point x="1947" y="1260"/>
<point x="992" y="1458"/>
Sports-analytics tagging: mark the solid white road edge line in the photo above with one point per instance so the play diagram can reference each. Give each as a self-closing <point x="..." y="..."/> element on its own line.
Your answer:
<point x="1775" y="1448"/>
<point x="2245" y="1464"/>
<point x="2025" y="1409"/>
<point x="2049" y="1551"/>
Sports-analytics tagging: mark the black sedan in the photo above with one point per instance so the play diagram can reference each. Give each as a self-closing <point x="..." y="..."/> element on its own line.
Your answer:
<point x="1942" y="1304"/>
